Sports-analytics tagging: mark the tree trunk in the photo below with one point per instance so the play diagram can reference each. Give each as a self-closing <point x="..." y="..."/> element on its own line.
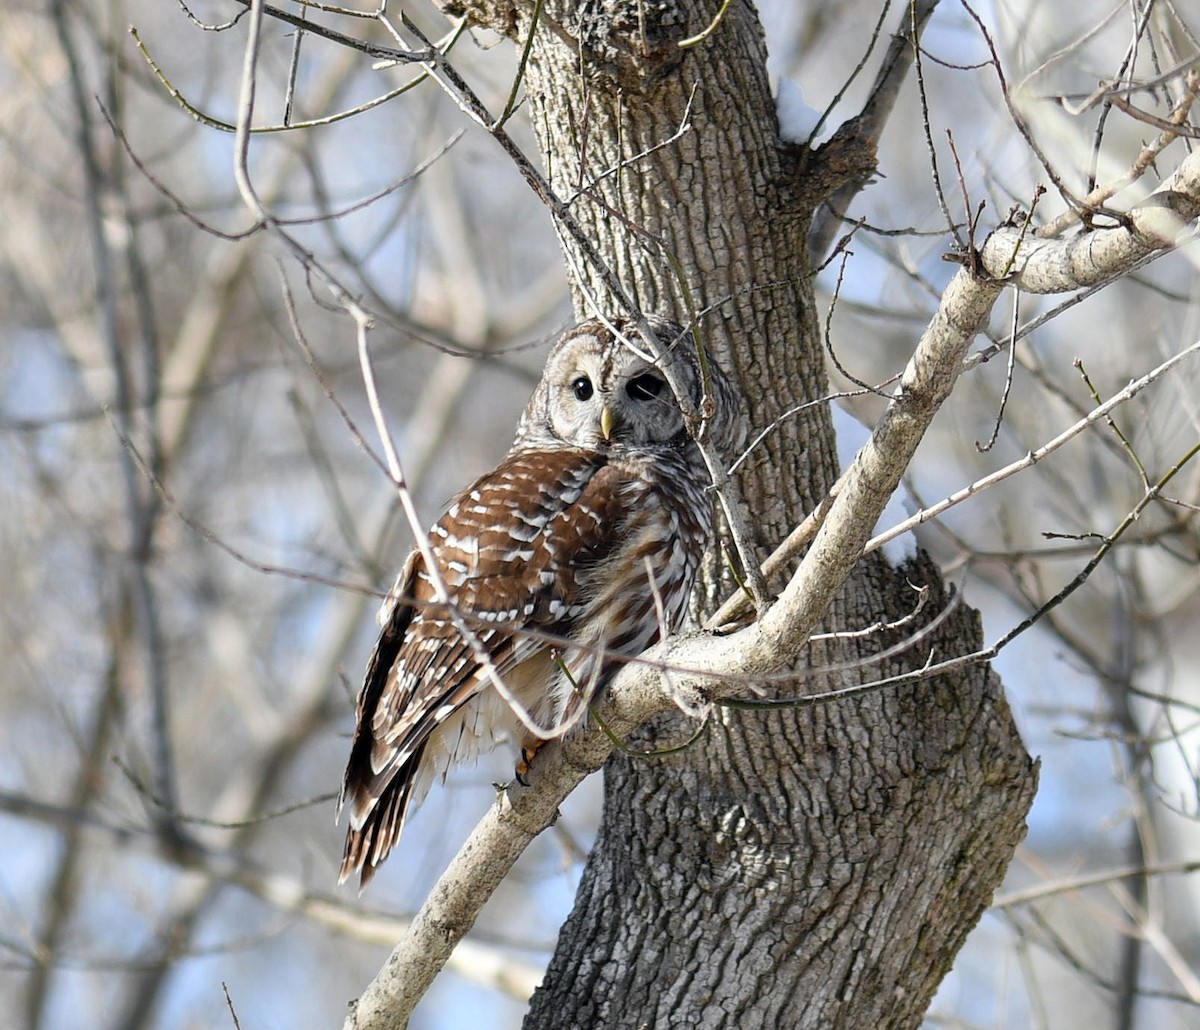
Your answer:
<point x="791" y="868"/>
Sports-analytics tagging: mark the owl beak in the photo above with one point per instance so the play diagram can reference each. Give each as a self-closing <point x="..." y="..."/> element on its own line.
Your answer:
<point x="606" y="422"/>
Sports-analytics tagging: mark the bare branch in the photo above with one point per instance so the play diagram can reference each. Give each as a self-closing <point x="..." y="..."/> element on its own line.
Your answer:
<point x="1088" y="258"/>
<point x="871" y="120"/>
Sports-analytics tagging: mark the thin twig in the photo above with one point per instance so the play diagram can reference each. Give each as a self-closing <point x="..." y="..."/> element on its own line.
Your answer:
<point x="1102" y="412"/>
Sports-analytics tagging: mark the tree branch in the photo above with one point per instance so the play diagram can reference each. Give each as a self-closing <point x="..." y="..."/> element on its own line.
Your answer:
<point x="868" y="125"/>
<point x="638" y="692"/>
<point x="1059" y="265"/>
<point x="1016" y="255"/>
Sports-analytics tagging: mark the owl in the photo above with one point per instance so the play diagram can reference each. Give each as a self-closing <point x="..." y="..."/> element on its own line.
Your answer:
<point x="577" y="551"/>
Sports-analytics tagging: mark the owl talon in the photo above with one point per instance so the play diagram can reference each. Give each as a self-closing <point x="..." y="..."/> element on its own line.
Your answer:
<point x="522" y="770"/>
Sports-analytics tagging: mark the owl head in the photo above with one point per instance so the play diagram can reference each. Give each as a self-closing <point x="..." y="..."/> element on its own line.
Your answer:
<point x="598" y="392"/>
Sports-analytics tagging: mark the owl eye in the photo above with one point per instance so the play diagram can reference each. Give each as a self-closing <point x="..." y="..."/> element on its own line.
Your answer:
<point x="582" y="388"/>
<point x="645" y="387"/>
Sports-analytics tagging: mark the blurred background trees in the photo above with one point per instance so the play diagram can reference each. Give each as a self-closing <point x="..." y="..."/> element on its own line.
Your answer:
<point x="194" y="535"/>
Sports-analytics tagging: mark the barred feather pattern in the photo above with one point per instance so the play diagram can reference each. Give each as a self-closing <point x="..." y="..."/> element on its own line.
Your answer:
<point x="577" y="552"/>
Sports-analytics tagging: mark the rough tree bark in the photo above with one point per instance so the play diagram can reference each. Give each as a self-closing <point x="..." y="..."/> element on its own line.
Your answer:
<point x="816" y="868"/>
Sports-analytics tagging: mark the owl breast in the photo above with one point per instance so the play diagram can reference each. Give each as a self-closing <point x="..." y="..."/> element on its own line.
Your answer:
<point x="639" y="591"/>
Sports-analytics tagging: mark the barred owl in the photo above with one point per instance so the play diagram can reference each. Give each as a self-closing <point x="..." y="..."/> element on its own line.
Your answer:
<point x="573" y="553"/>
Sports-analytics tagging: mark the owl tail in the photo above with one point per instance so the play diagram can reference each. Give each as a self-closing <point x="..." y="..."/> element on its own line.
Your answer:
<point x="377" y="819"/>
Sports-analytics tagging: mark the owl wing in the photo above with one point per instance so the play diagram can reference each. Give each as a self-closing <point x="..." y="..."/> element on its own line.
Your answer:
<point x="514" y="551"/>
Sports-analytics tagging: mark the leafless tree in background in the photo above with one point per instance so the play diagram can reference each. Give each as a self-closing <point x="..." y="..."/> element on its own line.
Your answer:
<point x="219" y="231"/>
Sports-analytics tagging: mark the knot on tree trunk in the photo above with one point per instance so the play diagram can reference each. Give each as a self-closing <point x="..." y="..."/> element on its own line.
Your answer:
<point x="632" y="44"/>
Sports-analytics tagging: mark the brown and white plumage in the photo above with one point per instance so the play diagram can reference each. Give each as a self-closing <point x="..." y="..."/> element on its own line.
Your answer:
<point x="559" y="557"/>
